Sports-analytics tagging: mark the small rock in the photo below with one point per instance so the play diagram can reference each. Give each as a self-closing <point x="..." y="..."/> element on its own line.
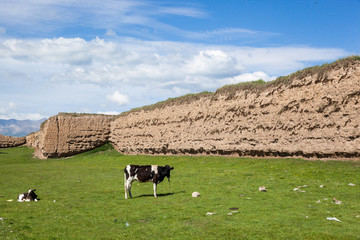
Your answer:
<point x="333" y="219"/>
<point x="321" y="186"/>
<point x="210" y="214"/>
<point x="299" y="188"/>
<point x="337" y="201"/>
<point x="262" y="189"/>
<point x="195" y="194"/>
<point x="318" y="201"/>
<point x="232" y="213"/>
<point x="352" y="184"/>
<point x="10" y="200"/>
<point x="234" y="208"/>
<point x="127" y="224"/>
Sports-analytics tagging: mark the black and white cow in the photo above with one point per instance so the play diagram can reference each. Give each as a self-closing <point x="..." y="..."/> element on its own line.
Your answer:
<point x="28" y="196"/>
<point x="147" y="173"/>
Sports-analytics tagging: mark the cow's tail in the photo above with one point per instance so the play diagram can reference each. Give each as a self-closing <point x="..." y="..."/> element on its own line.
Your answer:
<point x="125" y="186"/>
<point x="125" y="176"/>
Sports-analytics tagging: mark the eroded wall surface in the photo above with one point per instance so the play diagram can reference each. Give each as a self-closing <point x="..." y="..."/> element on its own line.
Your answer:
<point x="68" y="134"/>
<point x="316" y="115"/>
<point x="7" y="141"/>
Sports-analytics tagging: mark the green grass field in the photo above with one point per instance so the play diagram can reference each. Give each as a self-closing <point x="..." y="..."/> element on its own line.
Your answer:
<point x="83" y="198"/>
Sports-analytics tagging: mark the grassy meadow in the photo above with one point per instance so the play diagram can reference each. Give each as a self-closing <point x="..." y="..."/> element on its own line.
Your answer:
<point x="82" y="197"/>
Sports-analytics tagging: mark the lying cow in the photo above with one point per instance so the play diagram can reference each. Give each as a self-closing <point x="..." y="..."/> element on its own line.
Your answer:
<point x="148" y="173"/>
<point x="28" y="196"/>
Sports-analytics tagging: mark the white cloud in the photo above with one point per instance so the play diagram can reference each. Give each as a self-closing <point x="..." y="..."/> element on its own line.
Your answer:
<point x="285" y="59"/>
<point x="118" y="98"/>
<point x="9" y="107"/>
<point x="247" y="77"/>
<point x="22" y="116"/>
<point x="109" y="113"/>
<point x="10" y="111"/>
<point x="212" y="62"/>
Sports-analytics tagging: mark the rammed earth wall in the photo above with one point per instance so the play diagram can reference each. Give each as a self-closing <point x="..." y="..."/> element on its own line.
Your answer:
<point x="68" y="134"/>
<point x="316" y="113"/>
<point x="7" y="141"/>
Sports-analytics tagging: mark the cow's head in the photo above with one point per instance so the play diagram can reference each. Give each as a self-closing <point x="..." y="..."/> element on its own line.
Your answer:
<point x="165" y="171"/>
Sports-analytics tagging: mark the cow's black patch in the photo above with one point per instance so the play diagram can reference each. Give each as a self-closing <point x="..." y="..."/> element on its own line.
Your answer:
<point x="143" y="173"/>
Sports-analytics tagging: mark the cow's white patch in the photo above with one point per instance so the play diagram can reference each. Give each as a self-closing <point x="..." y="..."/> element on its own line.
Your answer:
<point x="21" y="198"/>
<point x="155" y="168"/>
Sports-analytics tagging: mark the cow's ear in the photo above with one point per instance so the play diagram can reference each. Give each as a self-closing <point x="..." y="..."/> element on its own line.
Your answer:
<point x="34" y="190"/>
<point x="172" y="168"/>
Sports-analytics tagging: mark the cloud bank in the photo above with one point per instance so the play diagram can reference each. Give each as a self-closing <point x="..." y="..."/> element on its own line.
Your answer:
<point x="101" y="75"/>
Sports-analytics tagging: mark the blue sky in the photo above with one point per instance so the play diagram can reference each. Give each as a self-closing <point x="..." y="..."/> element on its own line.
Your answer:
<point x="110" y="56"/>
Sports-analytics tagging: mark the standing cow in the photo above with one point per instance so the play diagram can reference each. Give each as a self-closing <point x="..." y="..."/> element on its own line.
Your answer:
<point x="146" y="173"/>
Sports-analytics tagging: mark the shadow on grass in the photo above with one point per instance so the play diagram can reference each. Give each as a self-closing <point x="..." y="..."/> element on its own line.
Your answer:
<point x="159" y="195"/>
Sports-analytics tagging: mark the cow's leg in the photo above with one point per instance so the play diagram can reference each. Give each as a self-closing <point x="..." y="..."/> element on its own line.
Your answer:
<point x="154" y="184"/>
<point x="129" y="187"/>
<point x="128" y="183"/>
<point x="125" y="186"/>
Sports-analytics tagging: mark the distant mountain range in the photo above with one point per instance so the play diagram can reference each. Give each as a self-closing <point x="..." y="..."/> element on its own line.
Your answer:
<point x="19" y="128"/>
